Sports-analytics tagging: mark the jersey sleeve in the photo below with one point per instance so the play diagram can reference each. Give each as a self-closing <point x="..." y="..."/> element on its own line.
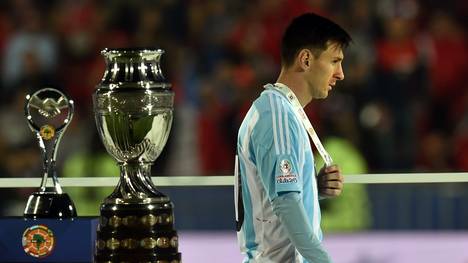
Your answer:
<point x="278" y="148"/>
<point x="290" y="210"/>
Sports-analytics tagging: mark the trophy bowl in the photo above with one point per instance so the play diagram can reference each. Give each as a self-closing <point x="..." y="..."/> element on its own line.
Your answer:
<point x="133" y="107"/>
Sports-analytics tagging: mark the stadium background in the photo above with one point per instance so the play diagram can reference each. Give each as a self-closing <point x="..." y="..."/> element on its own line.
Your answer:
<point x="402" y="108"/>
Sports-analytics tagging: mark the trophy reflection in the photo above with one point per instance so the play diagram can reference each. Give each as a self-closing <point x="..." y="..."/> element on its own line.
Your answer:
<point x="48" y="112"/>
<point x="133" y="110"/>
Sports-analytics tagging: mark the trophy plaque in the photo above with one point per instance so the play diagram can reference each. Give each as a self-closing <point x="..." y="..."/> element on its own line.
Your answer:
<point x="133" y="106"/>
<point x="48" y="112"/>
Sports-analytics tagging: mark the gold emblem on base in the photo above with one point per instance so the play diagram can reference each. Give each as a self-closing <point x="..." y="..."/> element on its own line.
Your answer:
<point x="165" y="219"/>
<point x="115" y="221"/>
<point x="162" y="242"/>
<point x="100" y="244"/>
<point x="129" y="243"/>
<point x="149" y="220"/>
<point x="174" y="242"/>
<point x="113" y="243"/>
<point x="148" y="243"/>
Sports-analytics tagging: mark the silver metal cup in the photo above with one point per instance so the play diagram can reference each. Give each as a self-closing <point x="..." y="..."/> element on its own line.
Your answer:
<point x="133" y="107"/>
<point x="48" y="112"/>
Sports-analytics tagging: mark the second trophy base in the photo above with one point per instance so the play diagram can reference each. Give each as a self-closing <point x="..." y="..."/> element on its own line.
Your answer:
<point x="49" y="205"/>
<point x="138" y="257"/>
<point x="135" y="232"/>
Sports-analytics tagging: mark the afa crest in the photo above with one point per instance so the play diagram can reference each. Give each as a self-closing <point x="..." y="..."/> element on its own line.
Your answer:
<point x="38" y="241"/>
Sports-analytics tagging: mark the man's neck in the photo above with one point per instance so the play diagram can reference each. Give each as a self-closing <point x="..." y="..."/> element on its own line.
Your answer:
<point x="296" y="85"/>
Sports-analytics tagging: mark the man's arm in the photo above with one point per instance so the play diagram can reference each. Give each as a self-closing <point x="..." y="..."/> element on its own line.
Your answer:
<point x="290" y="210"/>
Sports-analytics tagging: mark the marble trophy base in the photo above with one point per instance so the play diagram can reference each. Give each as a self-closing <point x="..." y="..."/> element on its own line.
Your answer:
<point x="137" y="232"/>
<point x="49" y="205"/>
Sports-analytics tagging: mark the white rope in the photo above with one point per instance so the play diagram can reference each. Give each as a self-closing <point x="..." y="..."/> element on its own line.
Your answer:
<point x="389" y="178"/>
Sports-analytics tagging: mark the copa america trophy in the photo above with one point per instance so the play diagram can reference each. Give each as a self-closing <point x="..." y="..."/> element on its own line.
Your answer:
<point x="133" y="109"/>
<point x="48" y="112"/>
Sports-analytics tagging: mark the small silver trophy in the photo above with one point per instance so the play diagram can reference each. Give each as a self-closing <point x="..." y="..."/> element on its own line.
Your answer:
<point x="48" y="112"/>
<point x="133" y="107"/>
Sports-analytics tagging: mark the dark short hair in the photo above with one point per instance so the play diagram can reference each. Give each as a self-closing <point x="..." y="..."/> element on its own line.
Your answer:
<point x="311" y="31"/>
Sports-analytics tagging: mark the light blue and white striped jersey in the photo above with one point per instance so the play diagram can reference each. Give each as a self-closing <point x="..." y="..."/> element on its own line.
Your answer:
<point x="274" y="156"/>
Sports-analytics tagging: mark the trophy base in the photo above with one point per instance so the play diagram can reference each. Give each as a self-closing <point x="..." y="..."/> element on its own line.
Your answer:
<point x="49" y="205"/>
<point x="132" y="232"/>
<point x="136" y="257"/>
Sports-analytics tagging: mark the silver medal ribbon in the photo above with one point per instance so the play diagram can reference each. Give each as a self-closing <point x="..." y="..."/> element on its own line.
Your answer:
<point x="299" y="111"/>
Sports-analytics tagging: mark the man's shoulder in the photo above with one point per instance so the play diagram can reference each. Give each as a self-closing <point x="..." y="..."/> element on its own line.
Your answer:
<point x="274" y="115"/>
<point x="272" y="103"/>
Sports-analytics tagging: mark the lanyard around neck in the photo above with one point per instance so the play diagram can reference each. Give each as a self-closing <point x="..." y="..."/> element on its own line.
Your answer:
<point x="299" y="111"/>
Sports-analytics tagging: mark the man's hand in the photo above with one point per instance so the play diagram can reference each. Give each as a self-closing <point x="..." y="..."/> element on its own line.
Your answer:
<point x="330" y="181"/>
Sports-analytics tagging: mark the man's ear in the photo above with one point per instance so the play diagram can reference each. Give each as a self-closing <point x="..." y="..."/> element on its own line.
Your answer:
<point x="305" y="58"/>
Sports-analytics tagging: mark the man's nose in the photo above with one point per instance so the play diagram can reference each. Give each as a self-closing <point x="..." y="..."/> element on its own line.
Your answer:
<point x="339" y="74"/>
